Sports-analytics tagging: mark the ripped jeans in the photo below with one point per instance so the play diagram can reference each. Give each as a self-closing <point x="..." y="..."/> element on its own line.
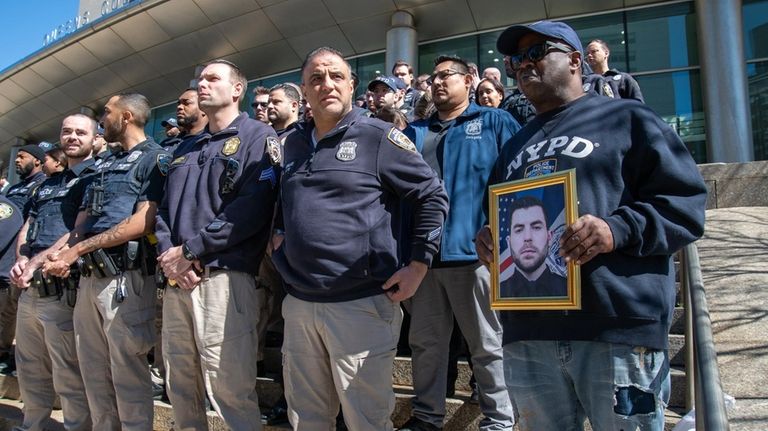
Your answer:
<point x="555" y="385"/>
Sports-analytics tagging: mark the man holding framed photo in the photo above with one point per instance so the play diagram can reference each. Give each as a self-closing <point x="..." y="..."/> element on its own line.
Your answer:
<point x="641" y="198"/>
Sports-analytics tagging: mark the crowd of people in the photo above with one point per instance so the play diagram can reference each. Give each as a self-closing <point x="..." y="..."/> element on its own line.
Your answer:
<point x="326" y="218"/>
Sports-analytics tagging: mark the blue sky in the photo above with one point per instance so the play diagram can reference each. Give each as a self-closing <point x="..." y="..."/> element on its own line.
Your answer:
<point x="25" y="22"/>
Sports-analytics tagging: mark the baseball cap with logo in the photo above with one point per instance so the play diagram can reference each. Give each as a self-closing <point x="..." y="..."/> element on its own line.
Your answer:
<point x="509" y="39"/>
<point x="171" y="122"/>
<point x="393" y="82"/>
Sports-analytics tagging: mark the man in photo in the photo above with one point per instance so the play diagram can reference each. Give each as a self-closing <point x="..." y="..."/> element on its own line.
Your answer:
<point x="528" y="241"/>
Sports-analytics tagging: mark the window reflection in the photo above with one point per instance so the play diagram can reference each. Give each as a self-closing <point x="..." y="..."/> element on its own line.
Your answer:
<point x="662" y="38"/>
<point x="676" y="97"/>
<point x="757" y="75"/>
<point x="755" y="18"/>
<point x="465" y="48"/>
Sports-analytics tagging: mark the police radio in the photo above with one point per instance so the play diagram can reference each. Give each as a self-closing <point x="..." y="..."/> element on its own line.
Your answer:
<point x="97" y="200"/>
<point x="33" y="231"/>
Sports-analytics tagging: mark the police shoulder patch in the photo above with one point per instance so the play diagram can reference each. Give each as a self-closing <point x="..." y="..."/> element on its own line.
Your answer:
<point x="274" y="150"/>
<point x="163" y="163"/>
<point x="399" y="139"/>
<point x="231" y="146"/>
<point x="6" y="211"/>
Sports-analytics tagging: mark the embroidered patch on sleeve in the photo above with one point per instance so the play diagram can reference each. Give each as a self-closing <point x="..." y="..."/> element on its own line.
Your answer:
<point x="399" y="139"/>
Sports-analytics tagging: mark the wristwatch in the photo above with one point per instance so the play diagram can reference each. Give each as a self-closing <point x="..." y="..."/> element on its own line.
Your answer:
<point x="187" y="254"/>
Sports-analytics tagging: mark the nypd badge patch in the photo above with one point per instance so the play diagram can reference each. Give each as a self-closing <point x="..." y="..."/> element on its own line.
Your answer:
<point x="399" y="139"/>
<point x="274" y="150"/>
<point x="5" y="211"/>
<point x="163" y="163"/>
<point x="347" y="151"/>
<point x="231" y="146"/>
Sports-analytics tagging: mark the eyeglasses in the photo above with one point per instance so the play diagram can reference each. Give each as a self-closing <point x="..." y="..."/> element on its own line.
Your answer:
<point x="259" y="105"/>
<point x="536" y="52"/>
<point x="443" y="75"/>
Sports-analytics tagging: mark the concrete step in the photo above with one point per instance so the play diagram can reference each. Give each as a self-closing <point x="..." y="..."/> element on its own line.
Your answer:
<point x="677" y="350"/>
<point x="678" y="321"/>
<point x="402" y="374"/>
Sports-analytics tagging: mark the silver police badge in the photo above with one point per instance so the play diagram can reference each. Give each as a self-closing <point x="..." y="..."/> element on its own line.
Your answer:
<point x="72" y="182"/>
<point x="607" y="90"/>
<point x="5" y="211"/>
<point x="274" y="149"/>
<point x="134" y="156"/>
<point x="617" y="77"/>
<point x="347" y="151"/>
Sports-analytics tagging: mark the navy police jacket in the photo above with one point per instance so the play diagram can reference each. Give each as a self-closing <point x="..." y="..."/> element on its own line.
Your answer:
<point x="21" y="193"/>
<point x="55" y="205"/>
<point x="634" y="172"/>
<point x="127" y="178"/>
<point x="470" y="148"/>
<point x="220" y="195"/>
<point x="340" y="206"/>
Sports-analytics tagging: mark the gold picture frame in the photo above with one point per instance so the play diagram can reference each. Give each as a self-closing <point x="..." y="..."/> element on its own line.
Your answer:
<point x="527" y="219"/>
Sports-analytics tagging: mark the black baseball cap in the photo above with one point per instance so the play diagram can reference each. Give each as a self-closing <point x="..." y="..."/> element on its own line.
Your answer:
<point x="509" y="38"/>
<point x="34" y="150"/>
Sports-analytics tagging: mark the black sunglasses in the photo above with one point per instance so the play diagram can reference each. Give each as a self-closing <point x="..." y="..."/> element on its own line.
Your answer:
<point x="536" y="53"/>
<point x="262" y="105"/>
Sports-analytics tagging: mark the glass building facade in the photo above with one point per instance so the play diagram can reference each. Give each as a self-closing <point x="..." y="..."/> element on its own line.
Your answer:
<point x="656" y="44"/>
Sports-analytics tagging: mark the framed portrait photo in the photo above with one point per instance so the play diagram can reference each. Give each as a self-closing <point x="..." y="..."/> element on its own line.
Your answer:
<point x="527" y="219"/>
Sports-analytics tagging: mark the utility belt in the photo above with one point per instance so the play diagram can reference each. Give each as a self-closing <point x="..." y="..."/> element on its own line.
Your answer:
<point x="113" y="261"/>
<point x="50" y="286"/>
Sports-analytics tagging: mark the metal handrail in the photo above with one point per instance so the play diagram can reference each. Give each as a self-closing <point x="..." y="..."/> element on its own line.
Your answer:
<point x="702" y="373"/>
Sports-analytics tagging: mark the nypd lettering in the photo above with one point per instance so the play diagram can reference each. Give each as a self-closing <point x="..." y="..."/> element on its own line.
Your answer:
<point x="473" y="129"/>
<point x="560" y="146"/>
<point x="347" y="151"/>
<point x="45" y="192"/>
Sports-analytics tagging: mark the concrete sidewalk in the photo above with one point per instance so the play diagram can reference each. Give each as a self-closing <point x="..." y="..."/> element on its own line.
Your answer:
<point x="734" y="261"/>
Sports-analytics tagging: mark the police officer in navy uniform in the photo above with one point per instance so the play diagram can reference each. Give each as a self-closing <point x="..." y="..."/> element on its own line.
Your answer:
<point x="115" y="311"/>
<point x="344" y="182"/>
<point x="45" y="340"/>
<point x="10" y="223"/>
<point x="29" y="166"/>
<point x="213" y="228"/>
<point x="192" y="122"/>
<point x="608" y="81"/>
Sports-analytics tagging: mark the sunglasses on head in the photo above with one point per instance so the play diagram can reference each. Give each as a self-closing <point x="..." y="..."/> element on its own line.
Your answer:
<point x="536" y="53"/>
